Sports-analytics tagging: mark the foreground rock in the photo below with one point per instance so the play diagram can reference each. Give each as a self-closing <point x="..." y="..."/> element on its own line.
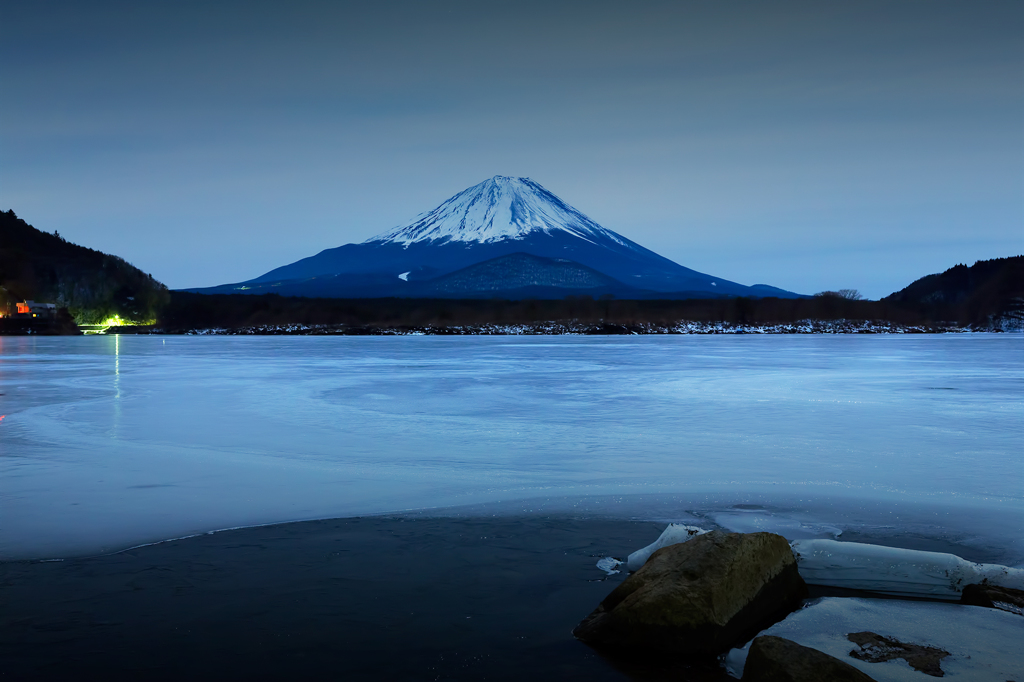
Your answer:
<point x="994" y="597"/>
<point x="698" y="598"/>
<point x="902" y="641"/>
<point x="774" y="659"/>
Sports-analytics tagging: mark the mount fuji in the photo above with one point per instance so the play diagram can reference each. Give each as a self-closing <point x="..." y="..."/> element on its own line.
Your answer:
<point x="507" y="237"/>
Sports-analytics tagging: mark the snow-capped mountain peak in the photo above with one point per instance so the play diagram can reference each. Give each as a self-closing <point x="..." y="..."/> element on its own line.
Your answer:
<point x="503" y="237"/>
<point x="501" y="208"/>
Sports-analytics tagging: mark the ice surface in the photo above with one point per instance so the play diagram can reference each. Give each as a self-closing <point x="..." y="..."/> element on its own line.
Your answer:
<point x="984" y="644"/>
<point x="894" y="570"/>
<point x="114" y="441"/>
<point x="673" y="535"/>
<point x="761" y="520"/>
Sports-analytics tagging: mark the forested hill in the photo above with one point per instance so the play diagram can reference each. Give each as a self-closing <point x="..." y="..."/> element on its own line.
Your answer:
<point x="987" y="290"/>
<point x="92" y="285"/>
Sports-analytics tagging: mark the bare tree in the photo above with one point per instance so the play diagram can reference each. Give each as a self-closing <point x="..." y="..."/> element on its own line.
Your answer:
<point x="848" y="294"/>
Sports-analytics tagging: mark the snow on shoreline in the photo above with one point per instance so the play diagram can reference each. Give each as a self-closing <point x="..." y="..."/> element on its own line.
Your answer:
<point x="576" y="328"/>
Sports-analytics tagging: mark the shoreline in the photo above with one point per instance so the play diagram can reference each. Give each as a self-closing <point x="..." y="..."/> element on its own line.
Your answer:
<point x="573" y="328"/>
<point x="794" y="514"/>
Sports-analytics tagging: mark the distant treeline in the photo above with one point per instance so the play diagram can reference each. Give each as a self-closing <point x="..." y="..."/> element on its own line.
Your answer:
<point x="198" y="311"/>
<point x="91" y="285"/>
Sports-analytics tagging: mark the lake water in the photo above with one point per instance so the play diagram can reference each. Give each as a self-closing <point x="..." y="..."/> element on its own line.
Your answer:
<point x="109" y="442"/>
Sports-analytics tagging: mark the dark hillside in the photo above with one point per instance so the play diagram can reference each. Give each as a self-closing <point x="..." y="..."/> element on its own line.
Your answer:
<point x="989" y="289"/>
<point x="92" y="285"/>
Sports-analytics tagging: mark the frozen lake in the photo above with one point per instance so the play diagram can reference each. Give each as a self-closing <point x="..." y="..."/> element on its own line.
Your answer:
<point x="109" y="442"/>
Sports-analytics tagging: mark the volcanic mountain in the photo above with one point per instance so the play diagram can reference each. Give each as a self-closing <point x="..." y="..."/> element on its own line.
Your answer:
<point x="503" y="237"/>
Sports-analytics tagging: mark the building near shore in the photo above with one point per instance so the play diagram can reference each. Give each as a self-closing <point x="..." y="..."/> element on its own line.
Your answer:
<point x="32" y="309"/>
<point x="33" y="317"/>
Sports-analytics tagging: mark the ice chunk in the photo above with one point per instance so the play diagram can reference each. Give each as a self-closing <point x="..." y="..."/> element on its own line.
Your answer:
<point x="893" y="570"/>
<point x="673" y="535"/>
<point x="760" y="520"/>
<point x="609" y="565"/>
<point x="983" y="644"/>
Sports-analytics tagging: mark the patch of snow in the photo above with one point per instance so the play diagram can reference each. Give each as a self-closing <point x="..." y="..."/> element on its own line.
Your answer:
<point x="983" y="644"/>
<point x="576" y="327"/>
<point x="896" y="571"/>
<point x="609" y="565"/>
<point x="1007" y="606"/>
<point x="673" y="535"/>
<point x="498" y="209"/>
<point x="404" y="276"/>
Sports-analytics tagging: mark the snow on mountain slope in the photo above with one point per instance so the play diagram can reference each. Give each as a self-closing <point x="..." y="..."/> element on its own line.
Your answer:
<point x="498" y="209"/>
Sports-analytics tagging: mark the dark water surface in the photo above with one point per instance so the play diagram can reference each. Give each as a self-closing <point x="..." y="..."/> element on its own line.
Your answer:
<point x="345" y="599"/>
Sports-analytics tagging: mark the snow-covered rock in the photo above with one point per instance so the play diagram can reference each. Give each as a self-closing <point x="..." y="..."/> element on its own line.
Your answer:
<point x="673" y="535"/>
<point x="896" y="571"/>
<point x="983" y="644"/>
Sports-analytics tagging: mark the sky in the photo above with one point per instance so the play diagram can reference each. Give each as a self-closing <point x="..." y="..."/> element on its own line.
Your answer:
<point x="807" y="145"/>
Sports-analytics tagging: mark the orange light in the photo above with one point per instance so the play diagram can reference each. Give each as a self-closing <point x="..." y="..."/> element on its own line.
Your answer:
<point x="22" y="309"/>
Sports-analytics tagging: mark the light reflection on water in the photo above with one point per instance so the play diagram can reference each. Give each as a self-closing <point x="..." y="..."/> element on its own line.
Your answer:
<point x="112" y="441"/>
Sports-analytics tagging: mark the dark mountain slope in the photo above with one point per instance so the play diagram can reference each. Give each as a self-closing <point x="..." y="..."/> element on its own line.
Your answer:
<point x="92" y="285"/>
<point x="519" y="271"/>
<point x="636" y="265"/>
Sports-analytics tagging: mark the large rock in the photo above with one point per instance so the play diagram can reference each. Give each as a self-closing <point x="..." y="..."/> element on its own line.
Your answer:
<point x="698" y="598"/>
<point x="994" y="597"/>
<point x="774" y="659"/>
